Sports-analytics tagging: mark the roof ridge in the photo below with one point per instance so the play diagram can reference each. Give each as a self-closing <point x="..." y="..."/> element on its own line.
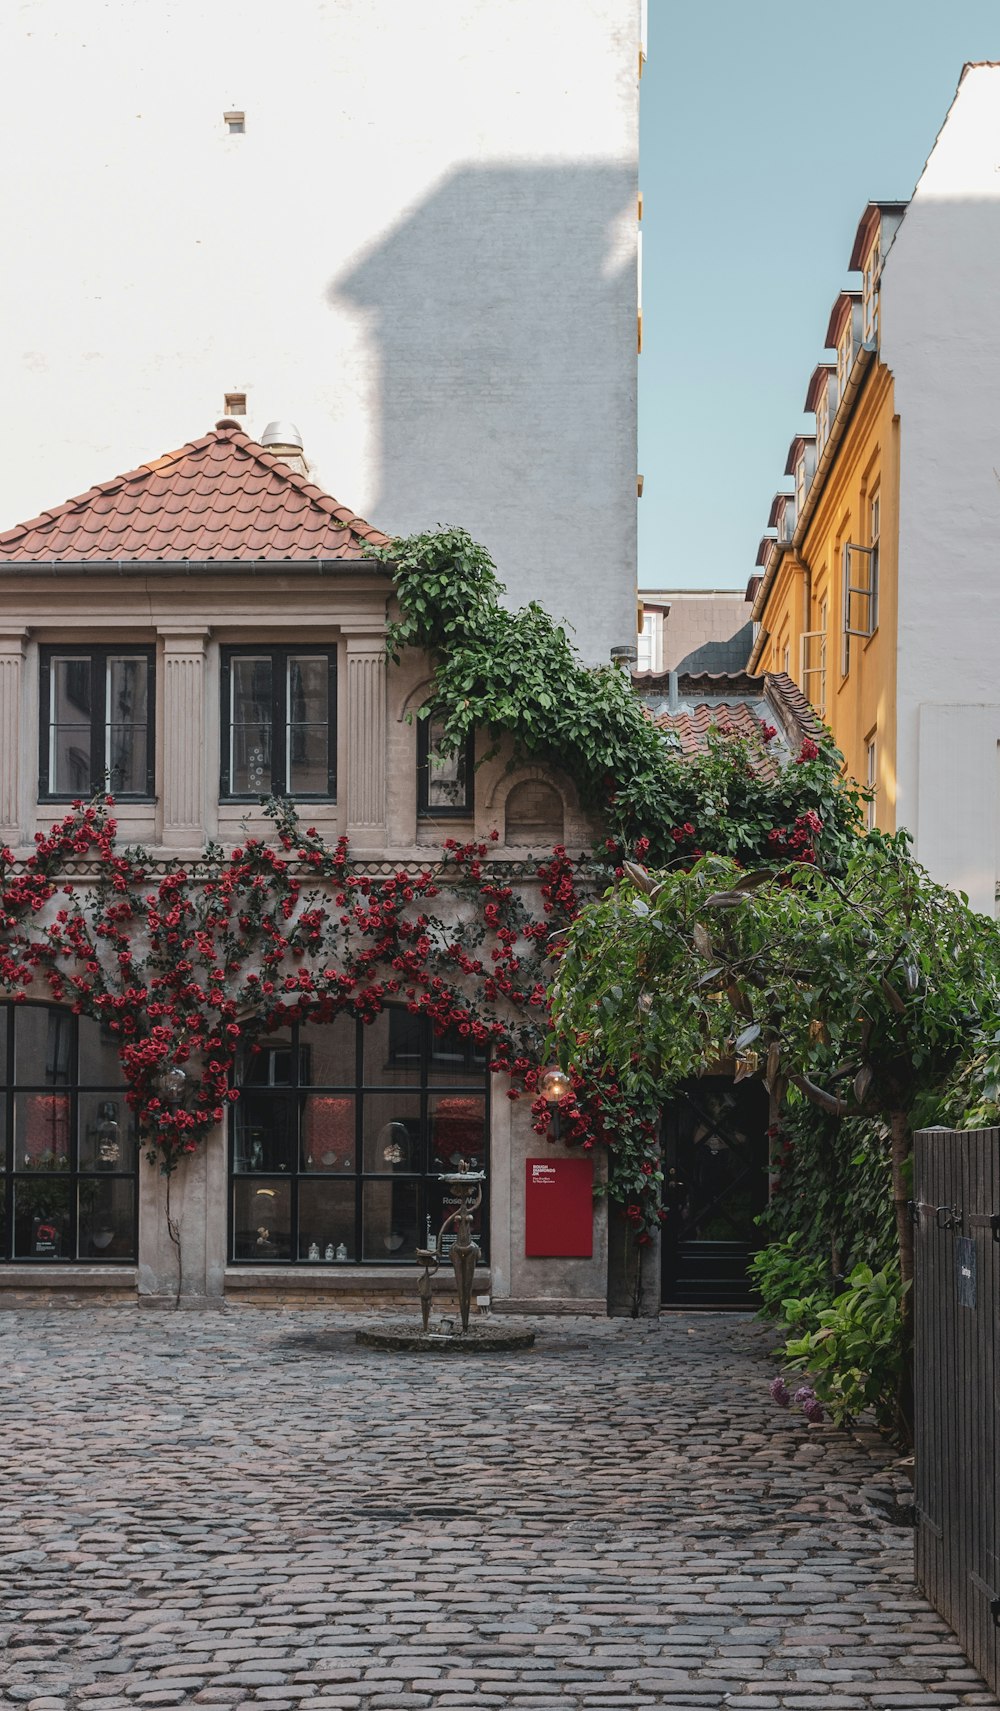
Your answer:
<point x="796" y="703"/>
<point x="302" y="484"/>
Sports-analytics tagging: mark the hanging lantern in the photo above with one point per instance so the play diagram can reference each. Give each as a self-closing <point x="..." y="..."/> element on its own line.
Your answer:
<point x="170" y="1082"/>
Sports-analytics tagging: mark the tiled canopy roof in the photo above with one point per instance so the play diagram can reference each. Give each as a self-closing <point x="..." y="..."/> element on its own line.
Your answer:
<point x="730" y="719"/>
<point x="739" y="705"/>
<point x="220" y="497"/>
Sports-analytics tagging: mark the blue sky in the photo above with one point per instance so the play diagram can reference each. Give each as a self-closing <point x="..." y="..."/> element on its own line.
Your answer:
<point x="765" y="130"/>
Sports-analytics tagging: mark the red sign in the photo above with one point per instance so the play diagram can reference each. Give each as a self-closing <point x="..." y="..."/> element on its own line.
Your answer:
<point x="559" y="1208"/>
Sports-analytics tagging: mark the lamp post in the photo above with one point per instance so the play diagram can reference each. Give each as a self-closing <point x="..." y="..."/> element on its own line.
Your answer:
<point x="169" y="1082"/>
<point x="553" y="1084"/>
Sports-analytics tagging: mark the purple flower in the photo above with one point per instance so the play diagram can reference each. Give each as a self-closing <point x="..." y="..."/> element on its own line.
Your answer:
<point x="804" y="1394"/>
<point x="779" y="1391"/>
<point x="813" y="1411"/>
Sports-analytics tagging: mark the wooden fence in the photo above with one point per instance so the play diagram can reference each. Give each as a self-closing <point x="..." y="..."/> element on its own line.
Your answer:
<point x="956" y="1212"/>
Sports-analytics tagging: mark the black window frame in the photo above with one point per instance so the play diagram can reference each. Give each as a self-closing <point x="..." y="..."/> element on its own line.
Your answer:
<point x="98" y="655"/>
<point x="476" y="1082"/>
<point x="449" y="811"/>
<point x="279" y="657"/>
<point x="64" y="1081"/>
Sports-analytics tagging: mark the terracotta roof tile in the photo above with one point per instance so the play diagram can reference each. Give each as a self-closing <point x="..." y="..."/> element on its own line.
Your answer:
<point x="222" y="496"/>
<point x="692" y="725"/>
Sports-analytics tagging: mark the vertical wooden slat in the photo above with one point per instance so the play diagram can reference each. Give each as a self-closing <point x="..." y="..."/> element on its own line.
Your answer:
<point x="956" y="1367"/>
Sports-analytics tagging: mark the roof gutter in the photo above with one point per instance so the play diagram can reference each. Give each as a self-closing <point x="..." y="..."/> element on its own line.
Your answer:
<point x="163" y="568"/>
<point x="863" y="364"/>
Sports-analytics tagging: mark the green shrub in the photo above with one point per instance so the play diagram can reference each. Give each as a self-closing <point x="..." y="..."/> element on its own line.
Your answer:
<point x="784" y="1272"/>
<point x="852" y="1358"/>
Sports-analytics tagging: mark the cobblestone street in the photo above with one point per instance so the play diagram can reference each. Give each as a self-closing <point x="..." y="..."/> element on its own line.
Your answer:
<point x="243" y="1509"/>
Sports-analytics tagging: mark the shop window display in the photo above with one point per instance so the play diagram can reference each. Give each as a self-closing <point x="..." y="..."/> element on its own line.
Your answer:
<point x="340" y="1134"/>
<point x="67" y="1142"/>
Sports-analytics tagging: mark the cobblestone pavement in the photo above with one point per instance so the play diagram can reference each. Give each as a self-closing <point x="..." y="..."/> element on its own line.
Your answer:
<point x="242" y="1509"/>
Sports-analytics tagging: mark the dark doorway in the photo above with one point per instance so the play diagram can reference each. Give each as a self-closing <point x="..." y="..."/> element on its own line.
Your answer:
<point x="715" y="1184"/>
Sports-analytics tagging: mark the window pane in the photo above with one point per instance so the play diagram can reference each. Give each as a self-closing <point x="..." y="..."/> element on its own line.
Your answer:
<point x="126" y="759"/>
<point x="447" y="785"/>
<point x="107" y="1219"/>
<point x="326" y="1221"/>
<point x="125" y="724"/>
<point x="43" y="1046"/>
<point x="392" y="1047"/>
<point x="392" y="1138"/>
<point x="308" y="717"/>
<point x="265" y="1132"/>
<point x="332" y="1050"/>
<point x="69" y="725"/>
<point x="308" y="761"/>
<point x="328" y="1131"/>
<point x="251" y="687"/>
<point x="391" y="1221"/>
<point x="100" y="1064"/>
<point x="43" y="1218"/>
<point x="107" y="1134"/>
<point x="457" y="1130"/>
<point x="269" y="1063"/>
<point x="455" y="1058"/>
<point x="262" y="1219"/>
<point x="41" y="1131"/>
<point x="308" y="697"/>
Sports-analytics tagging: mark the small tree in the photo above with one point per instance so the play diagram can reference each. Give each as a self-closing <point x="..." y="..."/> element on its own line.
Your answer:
<point x="861" y="991"/>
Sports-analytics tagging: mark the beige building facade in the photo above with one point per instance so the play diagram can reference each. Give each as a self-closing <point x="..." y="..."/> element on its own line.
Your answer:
<point x="197" y="634"/>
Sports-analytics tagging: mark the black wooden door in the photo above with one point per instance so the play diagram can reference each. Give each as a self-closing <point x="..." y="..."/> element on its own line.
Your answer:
<point x="715" y="1184"/>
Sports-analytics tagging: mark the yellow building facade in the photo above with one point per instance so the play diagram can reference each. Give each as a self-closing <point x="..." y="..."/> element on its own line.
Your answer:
<point x="826" y="609"/>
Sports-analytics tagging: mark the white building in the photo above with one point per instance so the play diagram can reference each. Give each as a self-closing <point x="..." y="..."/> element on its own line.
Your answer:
<point x="409" y="229"/>
<point x="940" y="336"/>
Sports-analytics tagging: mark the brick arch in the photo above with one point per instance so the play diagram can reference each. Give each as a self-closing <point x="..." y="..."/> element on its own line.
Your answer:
<point x="535" y="805"/>
<point x="534" y="813"/>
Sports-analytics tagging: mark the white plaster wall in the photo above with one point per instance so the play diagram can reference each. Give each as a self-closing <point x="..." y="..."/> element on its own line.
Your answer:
<point x="958" y="797"/>
<point x="941" y="339"/>
<point x="422" y="251"/>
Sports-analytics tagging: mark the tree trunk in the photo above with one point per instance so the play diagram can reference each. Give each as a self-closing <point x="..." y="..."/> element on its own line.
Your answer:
<point x="902" y="1145"/>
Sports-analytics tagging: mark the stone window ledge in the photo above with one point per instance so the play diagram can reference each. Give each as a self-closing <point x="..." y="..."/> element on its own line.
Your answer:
<point x="77" y="1276"/>
<point x="346" y="1279"/>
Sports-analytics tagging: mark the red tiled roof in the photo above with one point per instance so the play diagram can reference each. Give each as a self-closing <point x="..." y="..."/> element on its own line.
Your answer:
<point x="220" y="497"/>
<point x="730" y="719"/>
<point x="792" y="714"/>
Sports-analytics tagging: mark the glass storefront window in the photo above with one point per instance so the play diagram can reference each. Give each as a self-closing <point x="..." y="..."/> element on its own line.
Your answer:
<point x="68" y="1148"/>
<point x="340" y="1133"/>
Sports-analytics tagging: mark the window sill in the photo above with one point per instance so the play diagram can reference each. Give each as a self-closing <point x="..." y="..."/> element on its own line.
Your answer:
<point x="67" y="1274"/>
<point x="345" y="1279"/>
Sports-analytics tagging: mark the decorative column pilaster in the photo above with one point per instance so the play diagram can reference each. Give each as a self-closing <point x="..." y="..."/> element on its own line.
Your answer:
<point x="14" y="738"/>
<point x="365" y="782"/>
<point x="183" y="791"/>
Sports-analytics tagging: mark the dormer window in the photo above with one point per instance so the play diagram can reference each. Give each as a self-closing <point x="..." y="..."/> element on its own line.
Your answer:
<point x="800" y="482"/>
<point x="822" y="418"/>
<point x="845" y="355"/>
<point x="869" y="292"/>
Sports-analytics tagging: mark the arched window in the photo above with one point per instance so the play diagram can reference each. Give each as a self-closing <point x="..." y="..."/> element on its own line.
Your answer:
<point x="68" y="1143"/>
<point x="340" y="1134"/>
